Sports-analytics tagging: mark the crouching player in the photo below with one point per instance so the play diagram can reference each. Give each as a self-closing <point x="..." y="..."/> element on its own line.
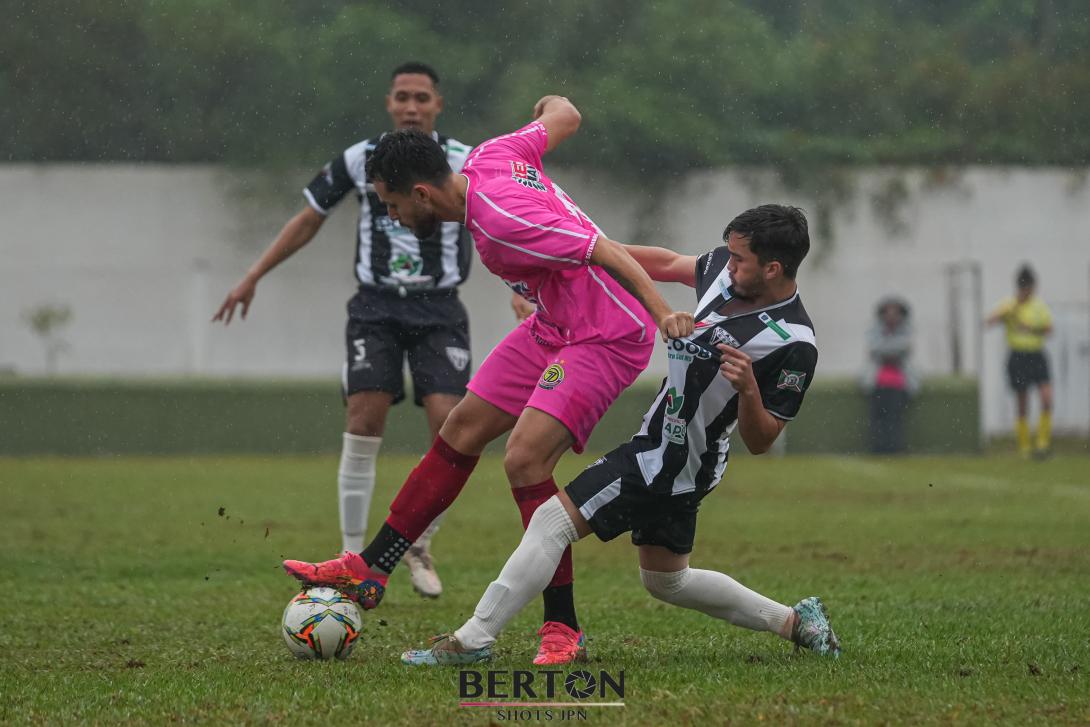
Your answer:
<point x="747" y="365"/>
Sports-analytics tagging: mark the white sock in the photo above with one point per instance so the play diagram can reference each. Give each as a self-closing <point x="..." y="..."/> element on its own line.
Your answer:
<point x="523" y="577"/>
<point x="355" y="485"/>
<point x="719" y="596"/>
<point x="424" y="541"/>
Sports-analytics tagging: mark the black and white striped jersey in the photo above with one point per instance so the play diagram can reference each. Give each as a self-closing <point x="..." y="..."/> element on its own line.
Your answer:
<point x="684" y="441"/>
<point x="387" y="254"/>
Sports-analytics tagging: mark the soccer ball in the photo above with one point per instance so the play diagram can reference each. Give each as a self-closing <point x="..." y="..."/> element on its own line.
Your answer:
<point x="321" y="623"/>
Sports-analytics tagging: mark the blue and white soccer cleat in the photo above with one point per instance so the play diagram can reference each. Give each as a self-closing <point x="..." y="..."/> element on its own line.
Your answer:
<point x="446" y="651"/>
<point x="813" y="630"/>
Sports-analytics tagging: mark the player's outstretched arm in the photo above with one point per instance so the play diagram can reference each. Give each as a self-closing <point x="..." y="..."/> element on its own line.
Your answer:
<point x="665" y="266"/>
<point x="625" y="270"/>
<point x="299" y="230"/>
<point x="559" y="117"/>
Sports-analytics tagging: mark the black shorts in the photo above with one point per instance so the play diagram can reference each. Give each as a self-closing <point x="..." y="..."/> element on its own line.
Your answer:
<point x="613" y="497"/>
<point x="431" y="328"/>
<point x="1026" y="369"/>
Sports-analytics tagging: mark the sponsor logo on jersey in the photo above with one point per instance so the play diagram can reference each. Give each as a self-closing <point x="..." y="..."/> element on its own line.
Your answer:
<point x="674" y="401"/>
<point x="526" y="175"/>
<point x="405" y="264"/>
<point x="327" y="173"/>
<point x="791" y="380"/>
<point x="673" y="426"/>
<point x="552" y="377"/>
<point x="721" y="335"/>
<point x="458" y="357"/>
<point x="682" y="350"/>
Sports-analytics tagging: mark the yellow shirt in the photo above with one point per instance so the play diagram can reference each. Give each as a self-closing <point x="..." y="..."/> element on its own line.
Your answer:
<point x="1025" y="323"/>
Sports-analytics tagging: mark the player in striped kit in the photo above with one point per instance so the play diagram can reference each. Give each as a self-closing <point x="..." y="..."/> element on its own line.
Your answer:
<point x="406" y="307"/>
<point x="746" y="366"/>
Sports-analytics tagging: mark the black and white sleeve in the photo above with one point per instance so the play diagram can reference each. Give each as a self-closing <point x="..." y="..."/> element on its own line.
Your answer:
<point x="329" y="186"/>
<point x="784" y="376"/>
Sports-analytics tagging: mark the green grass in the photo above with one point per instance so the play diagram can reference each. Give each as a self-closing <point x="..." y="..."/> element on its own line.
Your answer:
<point x="960" y="589"/>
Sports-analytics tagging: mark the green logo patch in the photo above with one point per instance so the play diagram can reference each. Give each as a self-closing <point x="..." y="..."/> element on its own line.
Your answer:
<point x="791" y="380"/>
<point x="406" y="264"/>
<point x="674" y="401"/>
<point x="776" y="327"/>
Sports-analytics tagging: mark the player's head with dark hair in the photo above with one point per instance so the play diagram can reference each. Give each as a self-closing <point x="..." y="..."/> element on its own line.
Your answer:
<point x="416" y="67"/>
<point x="407" y="168"/>
<point x="766" y="243"/>
<point x="1025" y="278"/>
<point x="414" y="99"/>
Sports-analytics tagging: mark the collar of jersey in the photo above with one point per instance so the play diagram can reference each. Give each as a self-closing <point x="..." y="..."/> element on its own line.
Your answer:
<point x="720" y="299"/>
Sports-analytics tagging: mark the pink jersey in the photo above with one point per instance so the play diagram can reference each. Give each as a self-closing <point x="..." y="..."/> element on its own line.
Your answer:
<point x="531" y="234"/>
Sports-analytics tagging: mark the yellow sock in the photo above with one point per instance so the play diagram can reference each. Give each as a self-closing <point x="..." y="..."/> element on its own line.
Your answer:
<point x="1021" y="431"/>
<point x="1044" y="431"/>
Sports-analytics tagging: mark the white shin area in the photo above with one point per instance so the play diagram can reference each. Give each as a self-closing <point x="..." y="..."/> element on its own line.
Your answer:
<point x="523" y="577"/>
<point x="717" y="595"/>
<point x="355" y="485"/>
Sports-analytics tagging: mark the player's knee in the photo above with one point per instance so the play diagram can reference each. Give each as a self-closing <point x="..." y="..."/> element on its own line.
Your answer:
<point x="523" y="464"/>
<point x="365" y="416"/>
<point x="664" y="586"/>
<point x="458" y="426"/>
<point x="363" y="426"/>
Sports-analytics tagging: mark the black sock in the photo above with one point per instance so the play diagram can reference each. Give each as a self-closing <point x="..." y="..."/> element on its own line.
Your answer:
<point x="560" y="605"/>
<point x="385" y="549"/>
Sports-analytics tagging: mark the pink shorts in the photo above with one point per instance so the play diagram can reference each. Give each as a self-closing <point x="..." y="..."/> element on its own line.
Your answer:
<point x="575" y="383"/>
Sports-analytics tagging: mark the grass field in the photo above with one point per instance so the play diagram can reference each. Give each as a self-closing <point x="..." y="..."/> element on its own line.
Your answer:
<point x="960" y="589"/>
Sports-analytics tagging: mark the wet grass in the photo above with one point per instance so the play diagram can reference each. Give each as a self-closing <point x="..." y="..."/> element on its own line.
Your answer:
<point x="149" y="591"/>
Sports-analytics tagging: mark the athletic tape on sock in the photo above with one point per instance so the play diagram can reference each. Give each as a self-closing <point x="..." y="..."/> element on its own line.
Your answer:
<point x="355" y="486"/>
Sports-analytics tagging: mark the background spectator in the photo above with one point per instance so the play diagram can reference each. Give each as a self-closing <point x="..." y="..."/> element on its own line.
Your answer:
<point x="888" y="377"/>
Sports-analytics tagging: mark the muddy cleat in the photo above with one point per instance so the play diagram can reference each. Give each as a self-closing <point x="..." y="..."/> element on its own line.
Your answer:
<point x="812" y="628"/>
<point x="560" y="644"/>
<point x="422" y="572"/>
<point x="349" y="574"/>
<point x="446" y="651"/>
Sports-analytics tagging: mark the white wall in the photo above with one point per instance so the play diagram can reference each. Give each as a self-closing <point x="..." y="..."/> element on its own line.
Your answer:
<point x="144" y="254"/>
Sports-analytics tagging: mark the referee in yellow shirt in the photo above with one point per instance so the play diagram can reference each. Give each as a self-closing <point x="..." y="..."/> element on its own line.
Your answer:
<point x="1028" y="321"/>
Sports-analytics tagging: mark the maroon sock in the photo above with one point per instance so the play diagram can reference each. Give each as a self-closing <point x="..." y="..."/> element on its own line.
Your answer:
<point x="528" y="500"/>
<point x="429" y="490"/>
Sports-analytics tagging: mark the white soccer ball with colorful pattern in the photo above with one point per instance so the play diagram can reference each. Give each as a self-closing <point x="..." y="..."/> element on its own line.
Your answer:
<point x="321" y="623"/>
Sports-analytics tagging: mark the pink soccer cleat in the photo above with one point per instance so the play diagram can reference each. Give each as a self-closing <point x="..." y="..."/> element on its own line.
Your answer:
<point x="349" y="574"/>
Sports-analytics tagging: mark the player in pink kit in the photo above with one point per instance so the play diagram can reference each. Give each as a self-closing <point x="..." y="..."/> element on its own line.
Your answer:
<point x="551" y="379"/>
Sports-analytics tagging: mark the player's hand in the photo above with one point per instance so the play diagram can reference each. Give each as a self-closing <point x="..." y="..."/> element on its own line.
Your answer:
<point x="737" y="368"/>
<point x="241" y="294"/>
<point x="523" y="308"/>
<point x="678" y="324"/>
<point x="539" y="107"/>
